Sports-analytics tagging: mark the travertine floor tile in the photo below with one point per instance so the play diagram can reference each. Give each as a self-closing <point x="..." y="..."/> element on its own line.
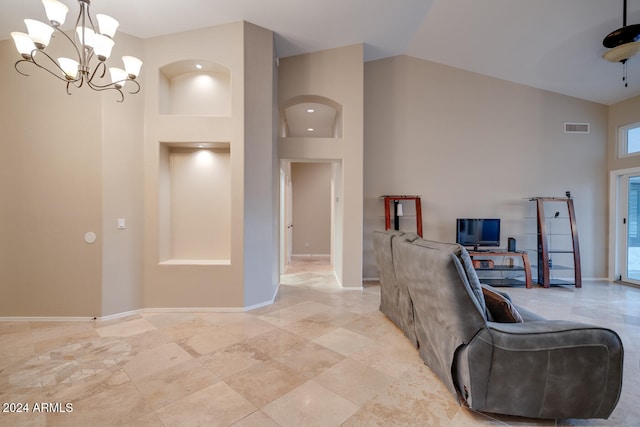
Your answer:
<point x="412" y="400"/>
<point x="392" y="354"/>
<point x="216" y="405"/>
<point x="275" y="342"/>
<point x="309" y="359"/>
<point x="147" y="420"/>
<point x="146" y="341"/>
<point x="151" y="361"/>
<point x="214" y="338"/>
<point x="343" y="341"/>
<point x="284" y="317"/>
<point x="256" y="419"/>
<point x="318" y="356"/>
<point x="468" y="418"/>
<point x="115" y="406"/>
<point x="53" y="343"/>
<point x="15" y="347"/>
<point x="88" y="387"/>
<point x="372" y="325"/>
<point x="354" y="381"/>
<point x="265" y="382"/>
<point x="307" y="405"/>
<point x="310" y="327"/>
<point x="43" y="331"/>
<point x="70" y="363"/>
<point x="241" y="325"/>
<point x="233" y="359"/>
<point x="14" y="327"/>
<point x="165" y="387"/>
<point x="166" y="320"/>
<point x="17" y="415"/>
<point x="125" y="329"/>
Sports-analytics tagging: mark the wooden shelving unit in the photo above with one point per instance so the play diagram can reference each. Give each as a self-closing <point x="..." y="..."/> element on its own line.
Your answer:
<point x="550" y="226"/>
<point x="389" y="200"/>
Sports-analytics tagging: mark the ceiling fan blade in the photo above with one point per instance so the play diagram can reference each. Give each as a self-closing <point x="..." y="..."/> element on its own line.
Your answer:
<point x="628" y="34"/>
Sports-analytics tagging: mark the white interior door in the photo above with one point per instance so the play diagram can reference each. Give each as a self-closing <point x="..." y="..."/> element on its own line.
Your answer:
<point x="289" y="216"/>
<point x="286" y="225"/>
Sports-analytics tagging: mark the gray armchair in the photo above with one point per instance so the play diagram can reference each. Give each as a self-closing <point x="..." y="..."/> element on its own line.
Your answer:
<point x="536" y="368"/>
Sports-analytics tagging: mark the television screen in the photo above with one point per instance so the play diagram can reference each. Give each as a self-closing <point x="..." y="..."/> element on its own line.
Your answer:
<point x="478" y="232"/>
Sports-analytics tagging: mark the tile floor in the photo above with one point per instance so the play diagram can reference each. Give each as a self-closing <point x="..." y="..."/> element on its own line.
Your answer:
<point x="319" y="356"/>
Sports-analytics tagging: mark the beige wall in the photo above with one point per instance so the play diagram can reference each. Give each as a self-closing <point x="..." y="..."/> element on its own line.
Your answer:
<point x="469" y="144"/>
<point x="260" y="195"/>
<point x="205" y="94"/>
<point x="475" y="146"/>
<point x="54" y="189"/>
<point x="622" y="114"/>
<point x="74" y="164"/>
<point x="311" y="184"/>
<point x="167" y="285"/>
<point x="336" y="74"/>
<point x="214" y="285"/>
<point x="200" y="204"/>
<point x="122" y="192"/>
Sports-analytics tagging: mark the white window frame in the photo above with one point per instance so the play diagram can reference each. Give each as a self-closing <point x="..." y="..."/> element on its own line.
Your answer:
<point x="623" y="148"/>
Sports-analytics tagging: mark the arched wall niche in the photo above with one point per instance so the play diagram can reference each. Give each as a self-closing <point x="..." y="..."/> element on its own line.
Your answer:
<point x="311" y="116"/>
<point x="195" y="87"/>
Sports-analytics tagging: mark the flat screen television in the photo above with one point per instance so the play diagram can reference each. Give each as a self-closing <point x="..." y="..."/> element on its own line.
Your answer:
<point x="478" y="232"/>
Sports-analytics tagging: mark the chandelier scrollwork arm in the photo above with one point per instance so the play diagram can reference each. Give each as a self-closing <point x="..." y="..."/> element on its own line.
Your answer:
<point x="92" y="45"/>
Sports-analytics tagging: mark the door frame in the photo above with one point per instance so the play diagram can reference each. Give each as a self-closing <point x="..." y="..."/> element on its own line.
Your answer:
<point x="286" y="211"/>
<point x="618" y="211"/>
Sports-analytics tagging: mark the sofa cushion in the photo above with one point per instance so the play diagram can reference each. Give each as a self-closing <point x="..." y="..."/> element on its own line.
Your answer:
<point x="500" y="308"/>
<point x="466" y="271"/>
<point x="472" y="278"/>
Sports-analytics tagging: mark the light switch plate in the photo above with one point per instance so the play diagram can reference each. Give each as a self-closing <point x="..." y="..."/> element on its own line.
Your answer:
<point x="121" y="224"/>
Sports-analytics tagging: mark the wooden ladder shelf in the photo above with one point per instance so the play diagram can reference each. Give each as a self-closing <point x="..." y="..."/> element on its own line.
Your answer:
<point x="544" y="249"/>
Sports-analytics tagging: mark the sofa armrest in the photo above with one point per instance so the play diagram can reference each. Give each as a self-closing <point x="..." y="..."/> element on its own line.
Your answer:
<point x="545" y="326"/>
<point x="543" y="369"/>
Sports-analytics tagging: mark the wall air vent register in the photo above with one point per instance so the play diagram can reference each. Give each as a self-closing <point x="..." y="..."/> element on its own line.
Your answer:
<point x="576" y="127"/>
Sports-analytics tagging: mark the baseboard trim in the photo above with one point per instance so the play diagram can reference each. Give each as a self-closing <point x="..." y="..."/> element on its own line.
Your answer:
<point x="193" y="310"/>
<point x="144" y="311"/>
<point x="328" y="256"/>
<point x="120" y="315"/>
<point x="46" y="319"/>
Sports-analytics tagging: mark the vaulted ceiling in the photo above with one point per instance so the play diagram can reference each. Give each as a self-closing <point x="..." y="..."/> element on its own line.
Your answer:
<point x="554" y="45"/>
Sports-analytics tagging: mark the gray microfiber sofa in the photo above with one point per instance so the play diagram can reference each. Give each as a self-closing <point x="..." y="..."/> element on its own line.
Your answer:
<point x="535" y="368"/>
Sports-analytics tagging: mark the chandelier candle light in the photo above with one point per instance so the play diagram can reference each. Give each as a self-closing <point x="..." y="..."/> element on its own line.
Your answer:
<point x="92" y="47"/>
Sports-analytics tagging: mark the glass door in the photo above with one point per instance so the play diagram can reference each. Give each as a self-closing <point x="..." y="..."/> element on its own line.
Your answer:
<point x="631" y="272"/>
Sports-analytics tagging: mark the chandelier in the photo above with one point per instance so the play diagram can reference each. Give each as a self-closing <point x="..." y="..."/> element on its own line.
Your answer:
<point x="91" y="44"/>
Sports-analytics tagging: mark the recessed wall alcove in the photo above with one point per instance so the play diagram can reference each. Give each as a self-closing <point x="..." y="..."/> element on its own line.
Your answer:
<point x="195" y="88"/>
<point x="195" y="203"/>
<point x="311" y="116"/>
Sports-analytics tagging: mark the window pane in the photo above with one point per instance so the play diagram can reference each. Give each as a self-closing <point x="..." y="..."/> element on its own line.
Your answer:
<point x="633" y="140"/>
